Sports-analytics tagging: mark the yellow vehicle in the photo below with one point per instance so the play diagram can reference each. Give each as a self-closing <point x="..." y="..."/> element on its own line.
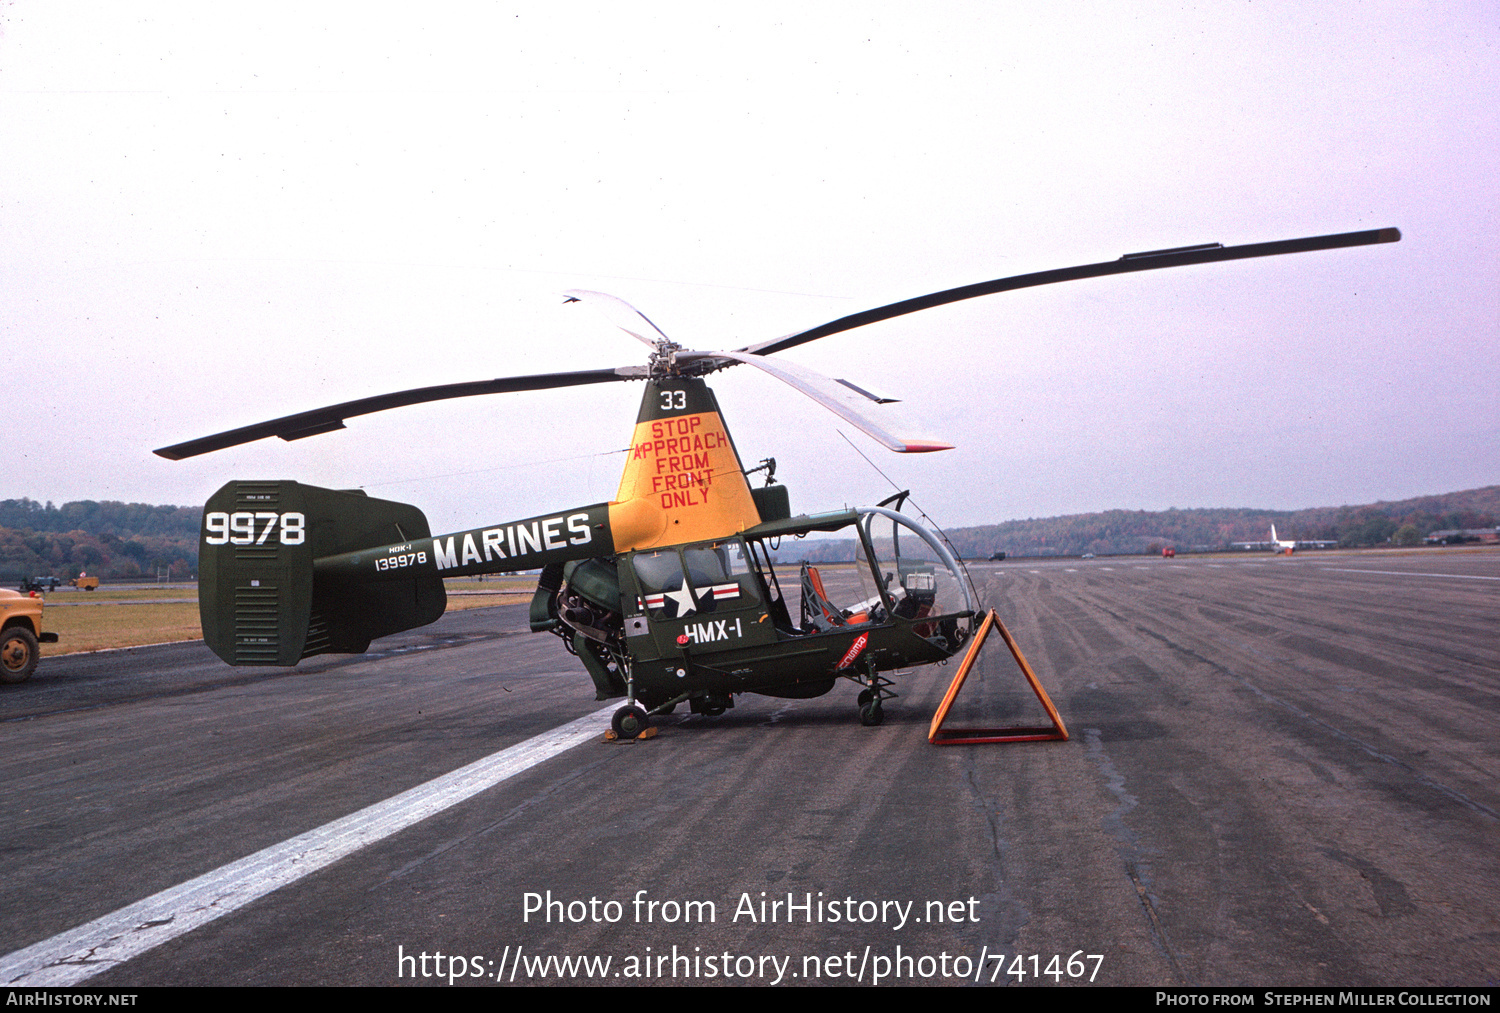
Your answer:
<point x="21" y="634"/>
<point x="84" y="583"/>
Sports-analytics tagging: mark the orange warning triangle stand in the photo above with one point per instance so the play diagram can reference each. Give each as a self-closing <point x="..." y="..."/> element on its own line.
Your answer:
<point x="939" y="736"/>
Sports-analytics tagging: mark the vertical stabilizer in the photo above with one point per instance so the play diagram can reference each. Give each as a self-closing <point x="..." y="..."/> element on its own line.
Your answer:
<point x="683" y="481"/>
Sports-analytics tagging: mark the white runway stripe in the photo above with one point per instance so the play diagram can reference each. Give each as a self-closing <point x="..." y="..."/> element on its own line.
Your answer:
<point x="1409" y="573"/>
<point x="70" y="957"/>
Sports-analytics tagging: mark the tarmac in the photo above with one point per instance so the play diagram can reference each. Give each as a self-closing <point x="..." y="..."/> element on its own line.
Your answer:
<point x="1282" y="771"/>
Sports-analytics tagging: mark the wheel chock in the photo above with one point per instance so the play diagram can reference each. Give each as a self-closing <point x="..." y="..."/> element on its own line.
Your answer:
<point x="649" y="733"/>
<point x="940" y="736"/>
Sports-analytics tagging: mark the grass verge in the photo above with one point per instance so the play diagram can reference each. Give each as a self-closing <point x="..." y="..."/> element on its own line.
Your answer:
<point x="100" y="626"/>
<point x="94" y="629"/>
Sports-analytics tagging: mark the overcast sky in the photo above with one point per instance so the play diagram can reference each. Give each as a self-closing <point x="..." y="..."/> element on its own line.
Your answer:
<point x="212" y="215"/>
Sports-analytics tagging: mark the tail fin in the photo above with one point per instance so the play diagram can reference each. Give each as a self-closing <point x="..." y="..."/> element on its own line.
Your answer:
<point x="683" y="480"/>
<point x="257" y="596"/>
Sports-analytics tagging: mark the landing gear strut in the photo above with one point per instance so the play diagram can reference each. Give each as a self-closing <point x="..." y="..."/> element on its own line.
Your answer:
<point x="631" y="720"/>
<point x="873" y="696"/>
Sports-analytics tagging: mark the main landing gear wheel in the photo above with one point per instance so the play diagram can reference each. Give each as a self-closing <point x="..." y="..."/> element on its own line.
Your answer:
<point x="872" y="697"/>
<point x="629" y="721"/>
<point x="18" y="654"/>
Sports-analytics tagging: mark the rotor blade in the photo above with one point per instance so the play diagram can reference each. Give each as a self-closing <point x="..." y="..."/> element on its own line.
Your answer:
<point x="620" y="313"/>
<point x="324" y="420"/>
<point x="872" y="415"/>
<point x="1151" y="261"/>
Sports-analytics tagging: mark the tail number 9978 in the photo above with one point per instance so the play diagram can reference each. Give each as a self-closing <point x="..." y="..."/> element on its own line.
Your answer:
<point x="247" y="528"/>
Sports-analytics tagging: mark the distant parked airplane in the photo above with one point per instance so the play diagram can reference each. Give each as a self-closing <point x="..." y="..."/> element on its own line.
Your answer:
<point x="1282" y="545"/>
<point x="1287" y="545"/>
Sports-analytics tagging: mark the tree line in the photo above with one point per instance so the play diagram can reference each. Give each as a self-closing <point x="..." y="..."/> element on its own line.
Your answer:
<point x="115" y="540"/>
<point x="1115" y="532"/>
<point x="105" y="539"/>
<point x="1127" y="532"/>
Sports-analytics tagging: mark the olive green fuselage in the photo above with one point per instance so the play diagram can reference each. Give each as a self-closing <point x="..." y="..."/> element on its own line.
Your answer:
<point x="743" y="640"/>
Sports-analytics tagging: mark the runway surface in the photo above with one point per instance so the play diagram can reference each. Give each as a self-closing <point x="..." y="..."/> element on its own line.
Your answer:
<point x="1282" y="771"/>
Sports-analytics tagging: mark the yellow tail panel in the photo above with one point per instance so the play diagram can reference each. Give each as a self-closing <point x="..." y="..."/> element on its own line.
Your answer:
<point x="683" y="481"/>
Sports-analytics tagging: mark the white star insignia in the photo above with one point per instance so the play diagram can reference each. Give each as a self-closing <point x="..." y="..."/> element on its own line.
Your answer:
<point x="683" y="596"/>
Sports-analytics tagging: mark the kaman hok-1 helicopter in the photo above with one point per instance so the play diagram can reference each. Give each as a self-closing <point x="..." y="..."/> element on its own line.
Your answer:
<point x="666" y="594"/>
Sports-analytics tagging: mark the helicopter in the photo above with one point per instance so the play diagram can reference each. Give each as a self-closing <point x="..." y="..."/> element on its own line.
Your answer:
<point x="667" y="594"/>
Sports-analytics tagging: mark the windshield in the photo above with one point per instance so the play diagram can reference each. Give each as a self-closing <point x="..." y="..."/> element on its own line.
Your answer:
<point x="894" y="566"/>
<point x="917" y="572"/>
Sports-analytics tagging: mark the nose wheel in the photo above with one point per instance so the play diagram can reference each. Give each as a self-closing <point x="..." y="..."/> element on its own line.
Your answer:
<point x="629" y="722"/>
